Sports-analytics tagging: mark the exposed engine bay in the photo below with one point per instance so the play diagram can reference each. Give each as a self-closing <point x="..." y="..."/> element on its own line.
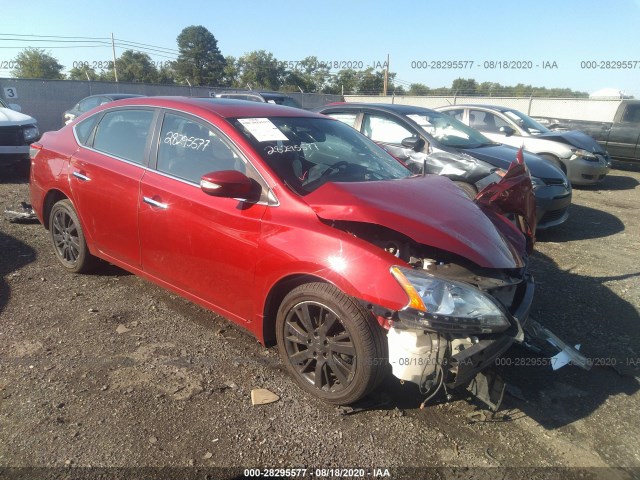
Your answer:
<point x="438" y="358"/>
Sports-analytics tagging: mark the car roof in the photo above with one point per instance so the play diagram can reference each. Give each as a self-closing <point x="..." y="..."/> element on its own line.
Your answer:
<point x="383" y="107"/>
<point x="115" y="96"/>
<point x="223" y="107"/>
<point x="497" y="108"/>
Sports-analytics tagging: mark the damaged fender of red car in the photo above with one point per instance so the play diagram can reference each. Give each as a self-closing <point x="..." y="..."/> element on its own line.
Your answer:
<point x="513" y="194"/>
<point x="435" y="213"/>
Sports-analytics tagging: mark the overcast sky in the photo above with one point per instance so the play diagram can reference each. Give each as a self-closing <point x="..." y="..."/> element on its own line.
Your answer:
<point x="494" y="35"/>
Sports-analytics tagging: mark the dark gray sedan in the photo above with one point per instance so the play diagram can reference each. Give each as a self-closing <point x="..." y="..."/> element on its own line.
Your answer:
<point x="433" y="142"/>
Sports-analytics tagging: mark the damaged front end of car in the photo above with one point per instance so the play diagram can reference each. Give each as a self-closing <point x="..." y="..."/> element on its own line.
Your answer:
<point x="465" y="307"/>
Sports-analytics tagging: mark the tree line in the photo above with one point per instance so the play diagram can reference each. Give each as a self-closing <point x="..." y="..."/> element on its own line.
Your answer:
<point x="200" y="63"/>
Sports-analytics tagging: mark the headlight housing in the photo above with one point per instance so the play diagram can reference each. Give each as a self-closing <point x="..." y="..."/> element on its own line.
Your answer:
<point x="30" y="133"/>
<point x="585" y="154"/>
<point x="447" y="305"/>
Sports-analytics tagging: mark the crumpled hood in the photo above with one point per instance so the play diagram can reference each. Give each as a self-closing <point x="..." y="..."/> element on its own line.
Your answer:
<point x="10" y="117"/>
<point x="574" y="138"/>
<point x="431" y="210"/>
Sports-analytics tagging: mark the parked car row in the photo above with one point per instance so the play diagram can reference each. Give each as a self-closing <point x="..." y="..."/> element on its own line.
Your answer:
<point x="305" y="232"/>
<point x="433" y="142"/>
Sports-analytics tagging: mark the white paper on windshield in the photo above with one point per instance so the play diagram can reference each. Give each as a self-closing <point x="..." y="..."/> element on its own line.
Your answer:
<point x="263" y="129"/>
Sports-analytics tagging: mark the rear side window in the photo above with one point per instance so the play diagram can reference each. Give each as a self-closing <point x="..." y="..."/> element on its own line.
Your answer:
<point x="631" y="114"/>
<point x="123" y="133"/>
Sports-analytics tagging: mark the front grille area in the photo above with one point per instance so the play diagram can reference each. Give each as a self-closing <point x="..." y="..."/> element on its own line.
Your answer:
<point x="11" y="136"/>
<point x="553" y="215"/>
<point x="553" y="181"/>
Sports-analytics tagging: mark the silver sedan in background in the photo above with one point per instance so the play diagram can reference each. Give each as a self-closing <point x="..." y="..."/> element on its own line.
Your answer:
<point x="579" y="156"/>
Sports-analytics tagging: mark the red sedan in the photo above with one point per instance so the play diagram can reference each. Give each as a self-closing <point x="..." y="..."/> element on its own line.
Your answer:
<point x="296" y="227"/>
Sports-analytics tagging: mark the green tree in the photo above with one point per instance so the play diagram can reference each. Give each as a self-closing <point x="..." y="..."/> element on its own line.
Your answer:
<point x="136" y="67"/>
<point x="230" y="72"/>
<point x="464" y="86"/>
<point x="200" y="61"/>
<point x="83" y="72"/>
<point x="309" y="74"/>
<point x="260" y="70"/>
<point x="345" y="82"/>
<point x="36" y="63"/>
<point x="418" y="89"/>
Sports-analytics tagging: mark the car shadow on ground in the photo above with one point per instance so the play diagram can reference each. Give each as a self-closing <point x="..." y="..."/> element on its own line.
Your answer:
<point x="15" y="255"/>
<point x="583" y="223"/>
<point x="611" y="182"/>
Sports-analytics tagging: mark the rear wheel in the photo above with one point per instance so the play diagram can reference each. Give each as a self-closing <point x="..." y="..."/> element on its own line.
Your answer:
<point x="330" y="343"/>
<point x="467" y="188"/>
<point x="68" y="239"/>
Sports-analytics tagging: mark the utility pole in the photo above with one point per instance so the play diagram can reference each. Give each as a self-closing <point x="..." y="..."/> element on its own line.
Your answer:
<point x="113" y="48"/>
<point x="386" y="77"/>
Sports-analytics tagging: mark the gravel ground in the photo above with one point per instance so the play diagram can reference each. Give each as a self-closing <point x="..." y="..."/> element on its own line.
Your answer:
<point x="108" y="370"/>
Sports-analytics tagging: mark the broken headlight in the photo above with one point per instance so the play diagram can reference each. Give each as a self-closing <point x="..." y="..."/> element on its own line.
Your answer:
<point x="447" y="305"/>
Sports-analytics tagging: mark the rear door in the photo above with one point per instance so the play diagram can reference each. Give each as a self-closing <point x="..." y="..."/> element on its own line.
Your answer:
<point x="105" y="176"/>
<point x="205" y="246"/>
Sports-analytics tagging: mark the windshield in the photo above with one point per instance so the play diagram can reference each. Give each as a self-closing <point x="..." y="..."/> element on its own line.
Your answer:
<point x="525" y="122"/>
<point x="2" y="104"/>
<point x="448" y="131"/>
<point x="308" y="152"/>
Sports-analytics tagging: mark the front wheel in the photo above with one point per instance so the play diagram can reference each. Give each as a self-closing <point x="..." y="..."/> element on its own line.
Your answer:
<point x="68" y="239"/>
<point x="330" y="343"/>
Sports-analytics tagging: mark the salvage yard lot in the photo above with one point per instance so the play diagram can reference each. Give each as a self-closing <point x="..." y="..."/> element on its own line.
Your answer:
<point x="108" y="370"/>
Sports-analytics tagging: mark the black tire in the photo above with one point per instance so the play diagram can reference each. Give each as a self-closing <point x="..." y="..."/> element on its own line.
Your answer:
<point x="330" y="344"/>
<point x="68" y="239"/>
<point x="467" y="188"/>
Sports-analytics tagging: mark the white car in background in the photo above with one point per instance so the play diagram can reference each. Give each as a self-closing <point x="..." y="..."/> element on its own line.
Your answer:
<point x="17" y="132"/>
<point x="579" y="156"/>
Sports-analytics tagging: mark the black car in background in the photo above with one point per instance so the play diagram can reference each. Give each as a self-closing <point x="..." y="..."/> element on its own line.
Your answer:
<point x="433" y="142"/>
<point x="93" y="101"/>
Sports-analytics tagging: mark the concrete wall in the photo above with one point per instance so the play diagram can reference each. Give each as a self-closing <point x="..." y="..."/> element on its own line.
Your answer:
<point x="46" y="100"/>
<point x="574" y="108"/>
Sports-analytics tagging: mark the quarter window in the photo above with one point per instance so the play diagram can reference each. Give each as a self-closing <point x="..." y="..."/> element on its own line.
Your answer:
<point x="348" y="118"/>
<point x="189" y="149"/>
<point x="123" y="133"/>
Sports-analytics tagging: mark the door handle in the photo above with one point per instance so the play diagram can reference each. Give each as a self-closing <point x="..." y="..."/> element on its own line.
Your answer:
<point x="81" y="176"/>
<point x="155" y="203"/>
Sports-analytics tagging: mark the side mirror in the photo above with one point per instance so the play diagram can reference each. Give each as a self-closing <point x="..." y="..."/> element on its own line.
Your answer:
<point x="226" y="183"/>
<point x="507" y="131"/>
<point x="414" y="143"/>
<point x="16" y="107"/>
